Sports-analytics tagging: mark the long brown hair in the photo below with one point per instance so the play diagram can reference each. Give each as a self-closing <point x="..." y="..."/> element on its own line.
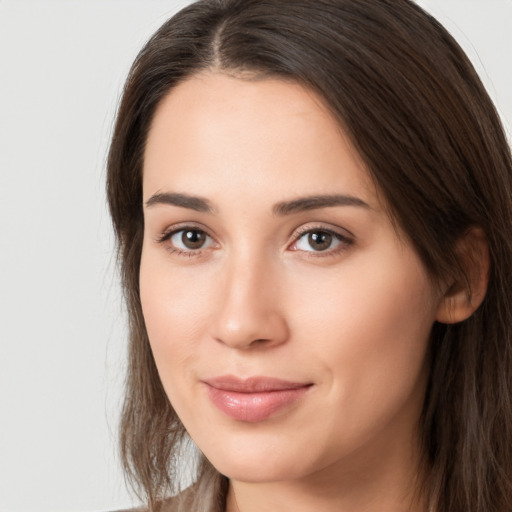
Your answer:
<point x="415" y="109"/>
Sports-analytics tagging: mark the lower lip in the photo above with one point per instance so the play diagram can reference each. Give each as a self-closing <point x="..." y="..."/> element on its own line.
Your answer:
<point x="254" y="407"/>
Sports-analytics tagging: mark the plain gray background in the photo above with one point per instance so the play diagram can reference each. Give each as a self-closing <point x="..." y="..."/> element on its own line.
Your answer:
<point x="62" y="65"/>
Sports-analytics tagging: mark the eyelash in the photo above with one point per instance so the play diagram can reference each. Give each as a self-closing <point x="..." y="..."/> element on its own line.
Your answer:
<point x="167" y="235"/>
<point x="344" y="241"/>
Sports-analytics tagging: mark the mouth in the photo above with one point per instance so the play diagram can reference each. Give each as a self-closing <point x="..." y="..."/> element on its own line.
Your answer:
<point x="254" y="399"/>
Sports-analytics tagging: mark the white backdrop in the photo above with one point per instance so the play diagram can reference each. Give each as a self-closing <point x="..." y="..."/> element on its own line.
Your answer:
<point x="62" y="64"/>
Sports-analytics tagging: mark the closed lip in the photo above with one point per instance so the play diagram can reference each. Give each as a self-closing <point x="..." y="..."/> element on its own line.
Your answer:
<point x="257" y="384"/>
<point x="254" y="399"/>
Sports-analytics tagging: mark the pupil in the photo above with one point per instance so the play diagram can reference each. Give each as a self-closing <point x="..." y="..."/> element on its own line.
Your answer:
<point x="320" y="241"/>
<point x="193" y="239"/>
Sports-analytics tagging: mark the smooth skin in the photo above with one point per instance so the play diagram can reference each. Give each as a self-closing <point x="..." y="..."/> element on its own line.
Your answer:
<point x="238" y="278"/>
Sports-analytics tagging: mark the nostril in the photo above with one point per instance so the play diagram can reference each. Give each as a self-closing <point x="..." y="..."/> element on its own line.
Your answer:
<point x="260" y="341"/>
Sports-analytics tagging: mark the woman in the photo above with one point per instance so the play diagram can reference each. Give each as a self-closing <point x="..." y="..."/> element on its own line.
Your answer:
<point x="313" y="208"/>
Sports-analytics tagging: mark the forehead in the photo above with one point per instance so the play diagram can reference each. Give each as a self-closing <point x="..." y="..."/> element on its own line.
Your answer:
<point x="214" y="128"/>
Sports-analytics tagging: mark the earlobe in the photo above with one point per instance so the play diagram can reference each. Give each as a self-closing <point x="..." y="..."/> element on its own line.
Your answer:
<point x="463" y="296"/>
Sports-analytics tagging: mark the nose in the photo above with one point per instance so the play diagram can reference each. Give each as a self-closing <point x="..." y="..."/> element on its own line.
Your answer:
<point x="249" y="311"/>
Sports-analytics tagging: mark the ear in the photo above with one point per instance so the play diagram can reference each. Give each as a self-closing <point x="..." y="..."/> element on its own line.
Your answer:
<point x="464" y="295"/>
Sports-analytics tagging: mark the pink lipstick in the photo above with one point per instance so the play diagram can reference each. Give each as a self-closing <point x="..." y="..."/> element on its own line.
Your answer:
<point x="253" y="399"/>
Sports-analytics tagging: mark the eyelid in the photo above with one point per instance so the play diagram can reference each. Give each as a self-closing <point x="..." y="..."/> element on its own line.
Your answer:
<point x="343" y="233"/>
<point x="345" y="237"/>
<point x="169" y="232"/>
<point x="181" y="226"/>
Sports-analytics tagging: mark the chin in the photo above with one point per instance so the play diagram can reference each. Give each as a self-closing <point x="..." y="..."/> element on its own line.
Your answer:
<point x="251" y="472"/>
<point x="258" y="460"/>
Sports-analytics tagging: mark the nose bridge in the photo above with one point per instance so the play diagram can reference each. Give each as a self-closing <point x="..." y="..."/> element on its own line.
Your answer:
<point x="248" y="309"/>
<point x="247" y="273"/>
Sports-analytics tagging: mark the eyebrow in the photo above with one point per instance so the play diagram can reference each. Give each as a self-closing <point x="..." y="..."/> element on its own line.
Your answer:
<point x="183" y="200"/>
<point x="314" y="202"/>
<point x="300" y="204"/>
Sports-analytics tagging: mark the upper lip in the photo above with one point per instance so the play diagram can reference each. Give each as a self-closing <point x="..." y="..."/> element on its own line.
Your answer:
<point x="253" y="384"/>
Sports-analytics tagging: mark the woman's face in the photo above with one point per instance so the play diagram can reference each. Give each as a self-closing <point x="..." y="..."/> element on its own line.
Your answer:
<point x="288" y="318"/>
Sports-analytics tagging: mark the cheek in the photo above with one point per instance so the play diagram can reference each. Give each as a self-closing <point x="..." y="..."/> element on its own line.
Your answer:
<point x="377" y="302"/>
<point x="175" y="305"/>
<point x="369" y="329"/>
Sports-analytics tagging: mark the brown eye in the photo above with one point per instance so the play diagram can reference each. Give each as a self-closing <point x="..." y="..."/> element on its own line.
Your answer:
<point x="193" y="239"/>
<point x="320" y="240"/>
<point x="188" y="240"/>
